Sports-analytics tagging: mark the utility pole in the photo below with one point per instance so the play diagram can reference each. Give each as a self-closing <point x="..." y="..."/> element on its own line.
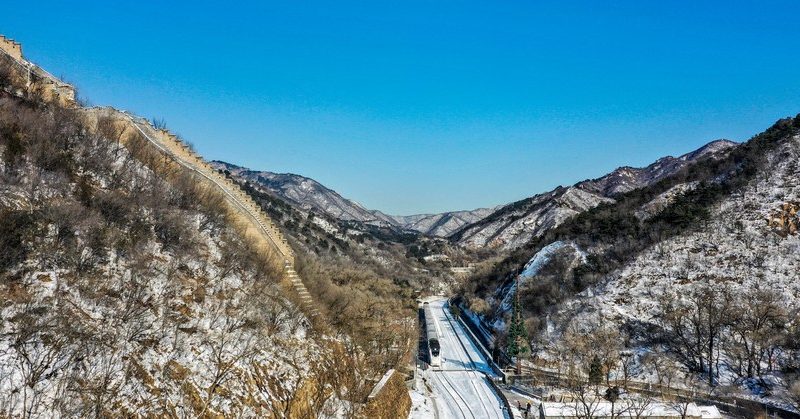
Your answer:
<point x="518" y="337"/>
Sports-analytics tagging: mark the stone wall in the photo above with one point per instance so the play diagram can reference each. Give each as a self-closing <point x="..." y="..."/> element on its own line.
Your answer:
<point x="12" y="47"/>
<point x="36" y="80"/>
<point x="252" y="221"/>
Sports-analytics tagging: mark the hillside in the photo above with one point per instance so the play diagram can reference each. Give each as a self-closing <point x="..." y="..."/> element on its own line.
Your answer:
<point x="137" y="282"/>
<point x="515" y="224"/>
<point x="125" y="293"/>
<point x="503" y="228"/>
<point x="443" y="224"/>
<point x="364" y="254"/>
<point x="366" y="251"/>
<point x="694" y="274"/>
<point x="309" y="194"/>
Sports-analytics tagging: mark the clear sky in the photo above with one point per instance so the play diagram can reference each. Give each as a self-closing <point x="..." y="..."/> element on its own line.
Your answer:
<point x="413" y="107"/>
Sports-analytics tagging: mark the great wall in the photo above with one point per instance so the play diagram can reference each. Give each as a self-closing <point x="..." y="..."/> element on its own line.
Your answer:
<point x="390" y="397"/>
<point x="258" y="224"/>
<point x="50" y="87"/>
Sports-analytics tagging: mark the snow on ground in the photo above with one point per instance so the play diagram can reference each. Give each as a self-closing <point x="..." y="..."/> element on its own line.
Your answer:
<point x="532" y="268"/>
<point x="477" y="321"/>
<point x="421" y="406"/>
<point x="514" y="228"/>
<point x="461" y="388"/>
<point x="737" y="248"/>
<point x="146" y="333"/>
<point x="660" y="202"/>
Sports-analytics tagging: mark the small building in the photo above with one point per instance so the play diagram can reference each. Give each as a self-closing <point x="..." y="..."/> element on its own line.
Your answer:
<point x="709" y="412"/>
<point x="436" y="258"/>
<point x="462" y="270"/>
<point x="602" y="410"/>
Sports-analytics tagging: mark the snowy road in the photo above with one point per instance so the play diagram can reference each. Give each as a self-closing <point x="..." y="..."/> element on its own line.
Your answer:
<point x="460" y="389"/>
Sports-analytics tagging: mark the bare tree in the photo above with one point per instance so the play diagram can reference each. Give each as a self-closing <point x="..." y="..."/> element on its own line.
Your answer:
<point x="100" y="381"/>
<point x="612" y="395"/>
<point x="112" y="129"/>
<point x="639" y="406"/>
<point x="232" y="346"/>
<point x="758" y="327"/>
<point x="286" y="385"/>
<point x="665" y="370"/>
<point x="42" y="346"/>
<point x="586" y="403"/>
<point x="794" y="394"/>
<point x="682" y="403"/>
<point x="626" y="361"/>
<point x="695" y="322"/>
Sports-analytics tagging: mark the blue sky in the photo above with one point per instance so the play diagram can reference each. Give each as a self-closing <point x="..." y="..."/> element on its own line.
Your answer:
<point x="414" y="107"/>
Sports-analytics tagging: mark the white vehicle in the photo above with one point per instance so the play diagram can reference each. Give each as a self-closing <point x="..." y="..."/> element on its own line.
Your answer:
<point x="432" y="333"/>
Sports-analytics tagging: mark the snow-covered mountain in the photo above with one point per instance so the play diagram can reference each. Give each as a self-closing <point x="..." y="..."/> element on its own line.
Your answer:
<point x="125" y="293"/>
<point x="344" y="236"/>
<point x="749" y="242"/>
<point x="309" y="194"/>
<point x="506" y="227"/>
<point x="695" y="274"/>
<point x="517" y="223"/>
<point x="444" y="224"/>
<point x="625" y="179"/>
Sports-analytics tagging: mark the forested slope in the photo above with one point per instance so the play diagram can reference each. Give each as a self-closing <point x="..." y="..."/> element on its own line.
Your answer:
<point x="701" y="266"/>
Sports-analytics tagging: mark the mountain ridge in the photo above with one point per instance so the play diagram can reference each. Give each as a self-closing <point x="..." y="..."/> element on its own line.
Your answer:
<point x="312" y="195"/>
<point x="466" y="227"/>
<point x="515" y="224"/>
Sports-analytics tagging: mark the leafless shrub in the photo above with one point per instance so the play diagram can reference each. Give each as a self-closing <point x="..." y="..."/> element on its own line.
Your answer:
<point x="158" y="123"/>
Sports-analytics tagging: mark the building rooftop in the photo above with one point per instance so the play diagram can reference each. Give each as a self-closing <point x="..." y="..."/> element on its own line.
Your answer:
<point x="602" y="409"/>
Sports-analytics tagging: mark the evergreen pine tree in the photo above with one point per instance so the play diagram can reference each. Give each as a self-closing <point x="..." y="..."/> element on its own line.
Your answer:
<point x="595" y="371"/>
<point x="517" y="340"/>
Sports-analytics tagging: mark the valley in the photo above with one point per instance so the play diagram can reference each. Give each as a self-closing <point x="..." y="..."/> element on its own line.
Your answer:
<point x="459" y="387"/>
<point x="140" y="279"/>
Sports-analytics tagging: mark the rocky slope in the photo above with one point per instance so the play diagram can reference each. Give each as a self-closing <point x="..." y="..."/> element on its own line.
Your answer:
<point x="308" y="194"/>
<point x="126" y="294"/>
<point x="517" y="223"/>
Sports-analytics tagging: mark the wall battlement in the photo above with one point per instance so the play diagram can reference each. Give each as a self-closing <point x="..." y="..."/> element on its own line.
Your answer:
<point x="36" y="78"/>
<point x="12" y="47"/>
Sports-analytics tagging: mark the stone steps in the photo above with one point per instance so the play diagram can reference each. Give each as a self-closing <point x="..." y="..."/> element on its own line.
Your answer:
<point x="187" y="157"/>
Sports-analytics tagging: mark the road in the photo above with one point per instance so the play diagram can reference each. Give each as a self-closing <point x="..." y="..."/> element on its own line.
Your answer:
<point x="460" y="389"/>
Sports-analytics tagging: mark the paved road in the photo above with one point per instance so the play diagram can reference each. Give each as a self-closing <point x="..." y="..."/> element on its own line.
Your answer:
<point x="460" y="389"/>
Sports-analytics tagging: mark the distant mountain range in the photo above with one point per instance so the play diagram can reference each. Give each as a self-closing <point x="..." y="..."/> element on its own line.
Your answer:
<point x="505" y="227"/>
<point x="309" y="194"/>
